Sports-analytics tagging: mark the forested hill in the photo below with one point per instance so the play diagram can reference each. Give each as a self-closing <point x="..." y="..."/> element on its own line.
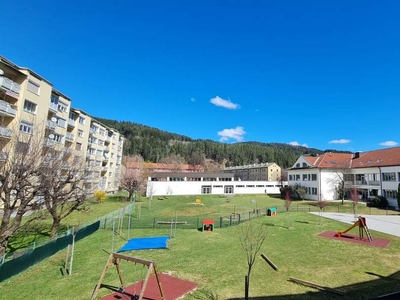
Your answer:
<point x="154" y="145"/>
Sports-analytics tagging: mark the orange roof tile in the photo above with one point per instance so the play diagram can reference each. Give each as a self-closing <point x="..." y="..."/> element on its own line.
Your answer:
<point x="378" y="158"/>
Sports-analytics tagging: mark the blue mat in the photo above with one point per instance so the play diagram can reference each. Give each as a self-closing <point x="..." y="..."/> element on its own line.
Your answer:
<point x="157" y="242"/>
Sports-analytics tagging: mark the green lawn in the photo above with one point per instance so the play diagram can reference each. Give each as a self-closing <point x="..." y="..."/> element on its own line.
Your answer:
<point x="216" y="261"/>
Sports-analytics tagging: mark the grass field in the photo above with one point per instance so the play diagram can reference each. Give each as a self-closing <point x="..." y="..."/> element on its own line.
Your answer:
<point x="216" y="261"/>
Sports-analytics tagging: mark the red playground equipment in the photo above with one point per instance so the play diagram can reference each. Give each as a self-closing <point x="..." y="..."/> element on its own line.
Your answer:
<point x="362" y="227"/>
<point x="208" y="225"/>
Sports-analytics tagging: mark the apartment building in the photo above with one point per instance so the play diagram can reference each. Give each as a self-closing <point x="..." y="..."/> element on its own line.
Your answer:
<point x="256" y="172"/>
<point x="29" y="103"/>
<point x="372" y="173"/>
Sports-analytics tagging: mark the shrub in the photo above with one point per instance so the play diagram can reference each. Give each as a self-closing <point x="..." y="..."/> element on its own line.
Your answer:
<point x="100" y="196"/>
<point x="379" y="201"/>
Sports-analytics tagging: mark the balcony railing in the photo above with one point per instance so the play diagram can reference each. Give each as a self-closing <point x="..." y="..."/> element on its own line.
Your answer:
<point x="361" y="182"/>
<point x="50" y="124"/>
<point x="69" y="137"/>
<point x="7" y="109"/>
<point x="9" y="85"/>
<point x="53" y="107"/>
<point x="49" y="142"/>
<point x="108" y="139"/>
<point x="106" y="149"/>
<point x="5" y="132"/>
<point x="71" y="122"/>
<point x="374" y="182"/>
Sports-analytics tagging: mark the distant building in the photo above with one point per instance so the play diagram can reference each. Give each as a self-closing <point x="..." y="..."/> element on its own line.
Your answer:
<point x="160" y="167"/>
<point x="372" y="173"/>
<point x="179" y="183"/>
<point x="256" y="172"/>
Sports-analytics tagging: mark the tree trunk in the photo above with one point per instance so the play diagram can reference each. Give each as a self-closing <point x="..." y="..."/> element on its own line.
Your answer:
<point x="3" y="245"/>
<point x="55" y="226"/>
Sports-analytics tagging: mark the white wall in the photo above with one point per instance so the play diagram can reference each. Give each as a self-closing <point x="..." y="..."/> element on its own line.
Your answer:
<point x="165" y="188"/>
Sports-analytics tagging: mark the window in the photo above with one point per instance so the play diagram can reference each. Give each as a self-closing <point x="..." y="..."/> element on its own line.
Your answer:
<point x="113" y="145"/>
<point x="228" y="189"/>
<point x="54" y="99"/>
<point x="22" y="147"/>
<point x="304" y="165"/>
<point x="398" y="176"/>
<point x="297" y="177"/>
<point x="111" y="164"/>
<point x="33" y="87"/>
<point x="206" y="189"/>
<point x="80" y="133"/>
<point x="61" y="122"/>
<point x="78" y="146"/>
<point x="390" y="194"/>
<point x="109" y="174"/>
<point x="304" y="177"/>
<point x="389" y="176"/>
<point x="250" y="185"/>
<point x="112" y="155"/>
<point x="26" y="127"/>
<point x="58" y="138"/>
<point x="314" y="191"/>
<point x="102" y="131"/>
<point x="82" y="120"/>
<point x="62" y="106"/>
<point x="100" y="142"/>
<point x="99" y="152"/>
<point x="94" y="128"/>
<point x="30" y="107"/>
<point x="314" y="177"/>
<point x="73" y="116"/>
<point x="290" y="177"/>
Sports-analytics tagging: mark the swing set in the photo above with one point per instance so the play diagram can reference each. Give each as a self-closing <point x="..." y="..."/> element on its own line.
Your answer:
<point x="114" y="260"/>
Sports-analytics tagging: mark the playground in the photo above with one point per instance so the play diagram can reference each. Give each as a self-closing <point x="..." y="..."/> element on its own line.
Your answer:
<point x="214" y="261"/>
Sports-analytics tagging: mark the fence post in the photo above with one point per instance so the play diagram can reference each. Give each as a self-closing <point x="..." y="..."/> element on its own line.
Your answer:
<point x="230" y="220"/>
<point x="338" y="208"/>
<point x="220" y="222"/>
<point x="154" y="222"/>
<point x="239" y="219"/>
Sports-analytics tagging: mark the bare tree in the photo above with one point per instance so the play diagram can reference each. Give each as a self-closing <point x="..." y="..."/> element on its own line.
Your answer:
<point x="342" y="179"/>
<point x="251" y="238"/>
<point x="288" y="202"/>
<point x="18" y="182"/>
<point x="175" y="162"/>
<point x="355" y="199"/>
<point x="134" y="176"/>
<point x="61" y="176"/>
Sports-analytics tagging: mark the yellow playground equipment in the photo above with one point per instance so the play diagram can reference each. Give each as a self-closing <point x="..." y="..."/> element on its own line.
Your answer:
<point x="198" y="201"/>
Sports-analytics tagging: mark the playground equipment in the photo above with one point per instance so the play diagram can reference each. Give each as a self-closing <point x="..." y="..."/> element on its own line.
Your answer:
<point x="271" y="211"/>
<point x="198" y="201"/>
<point x="208" y="225"/>
<point x="362" y="227"/>
<point x="114" y="260"/>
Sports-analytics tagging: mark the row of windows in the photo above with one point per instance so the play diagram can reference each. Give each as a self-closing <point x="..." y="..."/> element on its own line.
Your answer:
<point x="390" y="193"/>
<point x="360" y="178"/>
<point x="306" y="177"/>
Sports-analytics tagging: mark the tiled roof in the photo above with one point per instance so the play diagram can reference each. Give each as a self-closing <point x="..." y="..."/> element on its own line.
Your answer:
<point x="375" y="158"/>
<point x="378" y="158"/>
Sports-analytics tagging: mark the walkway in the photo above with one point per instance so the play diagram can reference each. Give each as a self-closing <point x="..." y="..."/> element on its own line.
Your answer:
<point x="385" y="224"/>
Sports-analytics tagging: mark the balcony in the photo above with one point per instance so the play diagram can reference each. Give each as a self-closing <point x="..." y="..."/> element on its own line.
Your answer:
<point x="12" y="88"/>
<point x="374" y="183"/>
<point x="71" y="122"/>
<point x="70" y="137"/>
<point x="7" y="110"/>
<point x="5" y="132"/>
<point x="51" y="125"/>
<point x="104" y="169"/>
<point x="49" y="142"/>
<point x="106" y="149"/>
<point x="107" y="139"/>
<point x="53" y="107"/>
<point x="105" y="158"/>
<point x="3" y="156"/>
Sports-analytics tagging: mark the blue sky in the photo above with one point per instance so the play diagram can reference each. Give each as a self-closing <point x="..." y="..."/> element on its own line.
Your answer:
<point x="324" y="74"/>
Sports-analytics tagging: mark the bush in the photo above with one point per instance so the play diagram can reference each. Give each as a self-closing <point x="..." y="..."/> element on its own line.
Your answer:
<point x="100" y="196"/>
<point x="378" y="201"/>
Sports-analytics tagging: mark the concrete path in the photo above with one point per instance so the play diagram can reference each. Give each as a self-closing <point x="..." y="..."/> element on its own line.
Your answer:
<point x="385" y="224"/>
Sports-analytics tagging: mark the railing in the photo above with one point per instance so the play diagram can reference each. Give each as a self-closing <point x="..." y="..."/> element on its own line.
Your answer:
<point x="106" y="149"/>
<point x="53" y="107"/>
<point x="5" y="132"/>
<point x="374" y="183"/>
<point x="69" y="137"/>
<point x="71" y="122"/>
<point x="7" y="109"/>
<point x="49" y="142"/>
<point x="51" y="124"/>
<point x="361" y="182"/>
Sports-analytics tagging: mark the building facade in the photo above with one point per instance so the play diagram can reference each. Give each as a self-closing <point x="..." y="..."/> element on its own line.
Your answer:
<point x="372" y="173"/>
<point x="256" y="172"/>
<point x="173" y="183"/>
<point x="30" y="104"/>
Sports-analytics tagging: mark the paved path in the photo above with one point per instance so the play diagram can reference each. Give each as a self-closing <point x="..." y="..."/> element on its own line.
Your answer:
<point x="385" y="224"/>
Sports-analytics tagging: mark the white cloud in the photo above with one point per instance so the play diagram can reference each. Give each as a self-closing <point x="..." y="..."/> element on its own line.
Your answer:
<point x="341" y="141"/>
<point x="218" y="101"/>
<point x="193" y="99"/>
<point x="388" y="144"/>
<point x="294" y="143"/>
<point x="232" y="133"/>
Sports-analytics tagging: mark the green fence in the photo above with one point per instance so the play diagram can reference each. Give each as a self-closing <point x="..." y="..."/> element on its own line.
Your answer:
<point x="31" y="257"/>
